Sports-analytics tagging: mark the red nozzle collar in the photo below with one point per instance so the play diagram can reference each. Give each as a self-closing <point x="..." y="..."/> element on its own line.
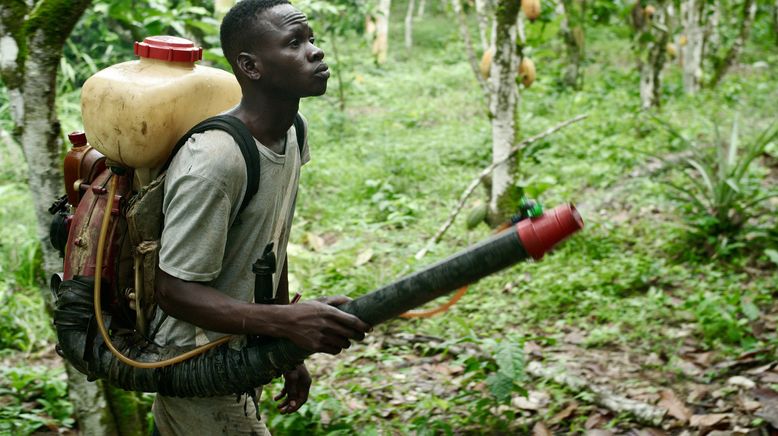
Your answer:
<point x="168" y="48"/>
<point x="539" y="235"/>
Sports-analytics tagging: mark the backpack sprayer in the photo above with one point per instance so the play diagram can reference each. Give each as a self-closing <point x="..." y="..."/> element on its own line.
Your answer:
<point x="105" y="297"/>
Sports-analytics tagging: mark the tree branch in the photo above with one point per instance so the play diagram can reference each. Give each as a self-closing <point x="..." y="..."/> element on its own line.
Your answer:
<point x="477" y="180"/>
<point x="56" y="18"/>
<point x="12" y="56"/>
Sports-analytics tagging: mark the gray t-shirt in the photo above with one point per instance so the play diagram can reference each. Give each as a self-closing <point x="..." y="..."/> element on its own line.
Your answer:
<point x="204" y="239"/>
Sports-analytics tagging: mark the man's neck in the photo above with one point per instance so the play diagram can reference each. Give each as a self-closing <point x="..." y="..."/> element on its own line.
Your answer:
<point x="267" y="119"/>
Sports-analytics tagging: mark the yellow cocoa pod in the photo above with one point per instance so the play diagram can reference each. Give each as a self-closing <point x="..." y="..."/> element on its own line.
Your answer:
<point x="486" y="63"/>
<point x="527" y="72"/>
<point x="671" y="50"/>
<point x="682" y="40"/>
<point x="531" y="9"/>
<point x="649" y="11"/>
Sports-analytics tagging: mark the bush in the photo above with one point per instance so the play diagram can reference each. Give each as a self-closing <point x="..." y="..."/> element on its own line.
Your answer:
<point x="722" y="194"/>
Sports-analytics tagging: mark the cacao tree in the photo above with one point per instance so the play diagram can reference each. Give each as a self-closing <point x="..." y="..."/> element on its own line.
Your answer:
<point x="381" y="41"/>
<point x="722" y="65"/>
<point x="497" y="75"/>
<point x="650" y="43"/>
<point x="572" y="30"/>
<point x="32" y="35"/>
<point x="703" y="44"/>
<point x="409" y="24"/>
<point x="694" y="14"/>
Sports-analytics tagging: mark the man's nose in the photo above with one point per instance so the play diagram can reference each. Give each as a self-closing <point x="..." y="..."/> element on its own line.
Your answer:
<point x="316" y="54"/>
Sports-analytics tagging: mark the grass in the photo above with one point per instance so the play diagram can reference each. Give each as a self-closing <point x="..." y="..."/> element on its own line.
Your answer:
<point x="386" y="172"/>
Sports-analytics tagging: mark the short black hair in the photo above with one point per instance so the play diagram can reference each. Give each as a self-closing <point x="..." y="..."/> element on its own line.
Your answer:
<point x="236" y="25"/>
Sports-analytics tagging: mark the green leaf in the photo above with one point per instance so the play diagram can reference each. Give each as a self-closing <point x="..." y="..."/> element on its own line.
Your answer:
<point x="750" y="310"/>
<point x="772" y="255"/>
<point x="501" y="386"/>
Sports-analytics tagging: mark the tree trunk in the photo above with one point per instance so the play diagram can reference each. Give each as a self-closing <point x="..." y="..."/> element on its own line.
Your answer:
<point x="422" y="7"/>
<point x="503" y="108"/>
<point x="749" y="14"/>
<point x="381" y="42"/>
<point x="653" y="36"/>
<point x="409" y="25"/>
<point x="693" y="14"/>
<point x="482" y="13"/>
<point x="31" y="39"/>
<point x="572" y="29"/>
<point x="92" y="412"/>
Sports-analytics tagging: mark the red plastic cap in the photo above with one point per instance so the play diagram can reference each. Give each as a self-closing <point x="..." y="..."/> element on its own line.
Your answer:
<point x="168" y="48"/>
<point x="77" y="138"/>
<point x="541" y="234"/>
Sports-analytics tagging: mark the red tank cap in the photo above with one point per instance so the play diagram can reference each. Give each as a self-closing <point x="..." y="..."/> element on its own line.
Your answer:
<point x="77" y="138"/>
<point x="168" y="48"/>
<point x="539" y="235"/>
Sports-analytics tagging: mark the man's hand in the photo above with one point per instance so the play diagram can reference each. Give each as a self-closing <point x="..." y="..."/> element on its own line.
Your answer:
<point x="297" y="382"/>
<point x="319" y="327"/>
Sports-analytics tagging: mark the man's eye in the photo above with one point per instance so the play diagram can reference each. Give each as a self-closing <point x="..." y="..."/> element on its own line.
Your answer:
<point x="312" y="40"/>
<point x="294" y="43"/>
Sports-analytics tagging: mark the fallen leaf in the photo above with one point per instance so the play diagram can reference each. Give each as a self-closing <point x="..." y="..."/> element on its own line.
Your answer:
<point x="575" y="338"/>
<point x="707" y="421"/>
<point x="741" y="382"/>
<point x="769" y="400"/>
<point x="364" y="257"/>
<point x="540" y="429"/>
<point x="531" y="347"/>
<point x="675" y="407"/>
<point x="688" y="368"/>
<point x="599" y="432"/>
<point x="697" y="393"/>
<point x="761" y="369"/>
<point x="564" y="413"/>
<point x="702" y="359"/>
<point x="534" y="401"/>
<point x="595" y="420"/>
<point x="769" y="378"/>
<point x="651" y="432"/>
<point x="749" y="406"/>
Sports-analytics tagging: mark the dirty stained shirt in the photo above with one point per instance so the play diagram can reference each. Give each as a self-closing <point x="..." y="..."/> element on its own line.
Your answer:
<point x="206" y="240"/>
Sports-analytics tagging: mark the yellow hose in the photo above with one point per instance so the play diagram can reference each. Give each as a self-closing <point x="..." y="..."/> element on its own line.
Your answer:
<point x="98" y="304"/>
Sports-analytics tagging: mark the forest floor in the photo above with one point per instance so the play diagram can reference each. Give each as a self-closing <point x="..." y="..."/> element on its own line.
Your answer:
<point x="629" y="327"/>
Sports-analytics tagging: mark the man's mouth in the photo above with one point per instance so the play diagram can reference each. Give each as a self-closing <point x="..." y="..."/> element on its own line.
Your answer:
<point x="322" y="71"/>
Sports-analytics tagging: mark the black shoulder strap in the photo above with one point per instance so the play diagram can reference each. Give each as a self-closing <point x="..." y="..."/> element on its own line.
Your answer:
<point x="299" y="128"/>
<point x="243" y="138"/>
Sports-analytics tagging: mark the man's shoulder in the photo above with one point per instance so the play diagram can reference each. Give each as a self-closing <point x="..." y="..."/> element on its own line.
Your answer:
<point x="212" y="153"/>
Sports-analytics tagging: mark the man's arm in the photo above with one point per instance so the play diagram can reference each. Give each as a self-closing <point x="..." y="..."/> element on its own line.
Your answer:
<point x="311" y="325"/>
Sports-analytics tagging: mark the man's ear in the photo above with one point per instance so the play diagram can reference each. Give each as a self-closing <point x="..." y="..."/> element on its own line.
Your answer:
<point x="248" y="64"/>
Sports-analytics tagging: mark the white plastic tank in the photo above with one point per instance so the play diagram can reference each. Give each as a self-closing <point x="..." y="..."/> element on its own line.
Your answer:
<point x="135" y="112"/>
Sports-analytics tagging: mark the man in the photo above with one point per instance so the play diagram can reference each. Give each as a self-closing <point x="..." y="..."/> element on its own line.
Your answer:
<point x="205" y="281"/>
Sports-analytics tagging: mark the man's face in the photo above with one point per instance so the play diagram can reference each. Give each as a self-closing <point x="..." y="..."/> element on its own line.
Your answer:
<point x="287" y="59"/>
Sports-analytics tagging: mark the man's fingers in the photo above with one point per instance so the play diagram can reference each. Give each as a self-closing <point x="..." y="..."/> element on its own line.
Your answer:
<point x="280" y="394"/>
<point x="335" y="300"/>
<point x="351" y="322"/>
